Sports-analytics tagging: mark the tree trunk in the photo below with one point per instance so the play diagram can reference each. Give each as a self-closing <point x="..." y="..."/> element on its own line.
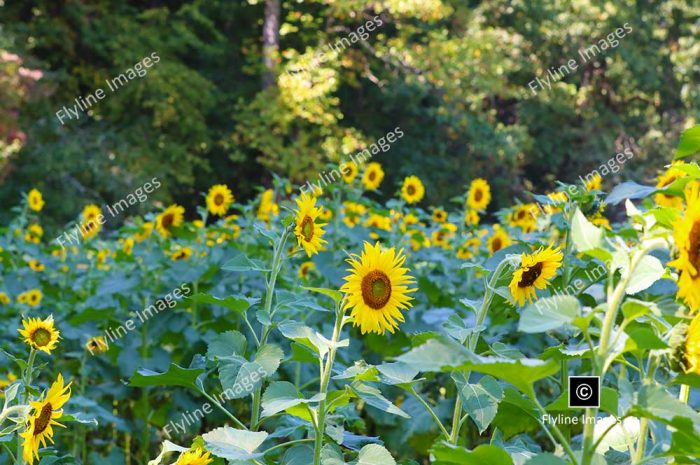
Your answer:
<point x="271" y="39"/>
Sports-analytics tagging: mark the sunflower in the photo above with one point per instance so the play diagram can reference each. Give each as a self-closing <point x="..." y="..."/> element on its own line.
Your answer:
<point x="350" y="172"/>
<point x="305" y="269"/>
<point x="11" y="378"/>
<point x="534" y="272"/>
<point x="378" y="221"/>
<point x="471" y="218"/>
<point x="499" y="240"/>
<point x="692" y="347"/>
<point x="34" y="233"/>
<point x="35" y="200"/>
<point x="325" y="215"/>
<point x="593" y="183"/>
<point x="182" y="253"/>
<point x="43" y="418"/>
<point x="145" y="232"/>
<point x="268" y="208"/>
<point x="128" y="245"/>
<point x="40" y="334"/>
<point x="373" y="176"/>
<point x="194" y="457"/>
<point x="219" y="199"/>
<point x="468" y="249"/>
<point x="377" y="289"/>
<point x="665" y="180"/>
<point x="31" y="297"/>
<point x="524" y="217"/>
<point x="557" y="199"/>
<point x="412" y="190"/>
<point x="309" y="233"/>
<point x="441" y="237"/>
<point x="92" y="220"/>
<point x="97" y="345"/>
<point x="479" y="195"/>
<point x="4" y="298"/>
<point x="418" y="240"/>
<point x="36" y="265"/>
<point x="439" y="215"/>
<point x="352" y="213"/>
<point x="687" y="236"/>
<point x="172" y="217"/>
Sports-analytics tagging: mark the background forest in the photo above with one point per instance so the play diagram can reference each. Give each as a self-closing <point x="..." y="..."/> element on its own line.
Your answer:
<point x="453" y="74"/>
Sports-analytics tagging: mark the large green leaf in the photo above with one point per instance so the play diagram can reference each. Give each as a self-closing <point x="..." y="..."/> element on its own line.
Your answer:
<point x="648" y="271"/>
<point x="175" y="376"/>
<point x="689" y="143"/>
<point x="586" y="235"/>
<point x="234" y="444"/>
<point x="549" y="313"/>
<point x="227" y="344"/>
<point x="481" y="401"/>
<point x="448" y="454"/>
<point x="374" y="397"/>
<point x="374" y="454"/>
<point x="281" y="396"/>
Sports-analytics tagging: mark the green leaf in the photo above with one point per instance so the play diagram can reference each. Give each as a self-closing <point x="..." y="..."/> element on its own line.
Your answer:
<point x="337" y="296"/>
<point x="656" y="403"/>
<point x="546" y="459"/>
<point x="269" y="357"/>
<point x="629" y="190"/>
<point x="332" y="455"/>
<point x="234" y="444"/>
<point x="481" y="401"/>
<point x="227" y="344"/>
<point x="374" y="397"/>
<point x="435" y="355"/>
<point x="689" y="143"/>
<point x="175" y="376"/>
<point x="586" y="235"/>
<point x="282" y="396"/>
<point x="648" y="271"/>
<point x="396" y="373"/>
<point x="235" y="303"/>
<point x="609" y="401"/>
<point x="239" y="377"/>
<point x="448" y="454"/>
<point x="242" y="263"/>
<point x="374" y="454"/>
<point x="549" y="313"/>
<point x="302" y="454"/>
<point x="307" y="337"/>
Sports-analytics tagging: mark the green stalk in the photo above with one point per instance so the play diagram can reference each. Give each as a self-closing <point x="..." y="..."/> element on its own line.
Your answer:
<point x="269" y="295"/>
<point x="326" y="372"/>
<point x="472" y="342"/>
<point x="26" y="381"/>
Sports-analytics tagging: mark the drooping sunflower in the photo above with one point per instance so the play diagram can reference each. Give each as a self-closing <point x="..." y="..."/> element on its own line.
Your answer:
<point x="412" y="190"/>
<point x="40" y="334"/>
<point x="349" y="172"/>
<point x="533" y="273"/>
<point x="35" y="200"/>
<point x="373" y="176"/>
<point x="439" y="215"/>
<point x="499" y="240"/>
<point x="194" y="457"/>
<point x="692" y="347"/>
<point x="305" y="269"/>
<point x="171" y="217"/>
<point x="479" y="195"/>
<point x="43" y="419"/>
<point x="91" y="223"/>
<point x="687" y="236"/>
<point x="377" y="289"/>
<point x="309" y="233"/>
<point x="666" y="179"/>
<point x="219" y="199"/>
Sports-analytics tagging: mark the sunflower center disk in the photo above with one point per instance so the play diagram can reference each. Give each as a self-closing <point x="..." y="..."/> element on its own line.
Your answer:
<point x="41" y="337"/>
<point x="497" y="244"/>
<point x="42" y="421"/>
<point x="376" y="289"/>
<point x="410" y="190"/>
<point x="694" y="246"/>
<point x="307" y="228"/>
<point x="530" y="275"/>
<point x="167" y="221"/>
<point x="478" y="195"/>
<point x="219" y="199"/>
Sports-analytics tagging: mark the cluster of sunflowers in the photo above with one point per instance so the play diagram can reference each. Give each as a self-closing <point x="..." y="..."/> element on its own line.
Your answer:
<point x="533" y="249"/>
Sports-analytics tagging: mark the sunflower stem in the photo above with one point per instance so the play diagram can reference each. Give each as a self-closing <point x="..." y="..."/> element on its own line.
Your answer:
<point x="473" y="340"/>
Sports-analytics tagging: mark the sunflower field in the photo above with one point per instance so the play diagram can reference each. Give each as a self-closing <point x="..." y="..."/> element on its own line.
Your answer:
<point x="332" y="328"/>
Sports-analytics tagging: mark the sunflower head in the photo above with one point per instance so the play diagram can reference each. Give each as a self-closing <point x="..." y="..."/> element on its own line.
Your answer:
<point x="666" y="179"/>
<point x="181" y="253"/>
<point x="43" y="418"/>
<point x="219" y="199"/>
<point x="479" y="195"/>
<point x="439" y="215"/>
<point x="171" y="217"/>
<point x="268" y="207"/>
<point x="35" y="200"/>
<point x="349" y="171"/>
<point x="194" y="457"/>
<point x="309" y="233"/>
<point x="305" y="269"/>
<point x="377" y="289"/>
<point x="144" y="232"/>
<point x="691" y="357"/>
<point x="40" y="334"/>
<point x="31" y="297"/>
<point x="4" y="298"/>
<point x="593" y="182"/>
<point x="471" y="218"/>
<point x="412" y="190"/>
<point x="373" y="176"/>
<point x="97" y="345"/>
<point x="498" y="240"/>
<point x="687" y="236"/>
<point x="534" y="272"/>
